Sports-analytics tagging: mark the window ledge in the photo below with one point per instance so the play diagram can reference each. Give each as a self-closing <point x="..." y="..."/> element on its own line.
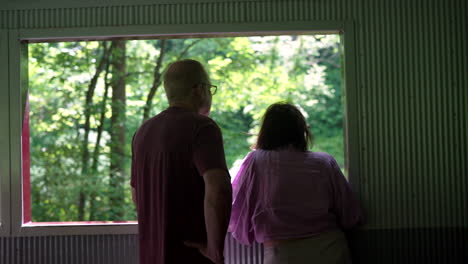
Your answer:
<point x="76" y="228"/>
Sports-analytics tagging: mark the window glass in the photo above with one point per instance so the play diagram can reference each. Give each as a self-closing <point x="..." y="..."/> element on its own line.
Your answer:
<point x="86" y="99"/>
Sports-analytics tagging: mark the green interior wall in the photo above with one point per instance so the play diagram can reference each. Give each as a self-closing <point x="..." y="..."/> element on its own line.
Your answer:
<point x="411" y="69"/>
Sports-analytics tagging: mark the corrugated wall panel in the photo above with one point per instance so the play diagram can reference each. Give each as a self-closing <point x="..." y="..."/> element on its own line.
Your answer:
<point x="236" y="253"/>
<point x="99" y="249"/>
<point x="412" y="79"/>
<point x="415" y="156"/>
<point x="407" y="246"/>
<point x="189" y="13"/>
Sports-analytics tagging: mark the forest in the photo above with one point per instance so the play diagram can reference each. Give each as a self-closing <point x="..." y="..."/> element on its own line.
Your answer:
<point x="87" y="98"/>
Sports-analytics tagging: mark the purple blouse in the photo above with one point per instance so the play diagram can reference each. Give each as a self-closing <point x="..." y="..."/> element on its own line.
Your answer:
<point x="289" y="194"/>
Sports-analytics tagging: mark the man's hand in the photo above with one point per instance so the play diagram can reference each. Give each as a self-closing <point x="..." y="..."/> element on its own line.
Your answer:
<point x="214" y="255"/>
<point x="217" y="204"/>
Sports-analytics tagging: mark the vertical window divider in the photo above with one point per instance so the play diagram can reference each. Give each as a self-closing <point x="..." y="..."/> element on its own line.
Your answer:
<point x="351" y="96"/>
<point x="15" y="125"/>
<point x="4" y="136"/>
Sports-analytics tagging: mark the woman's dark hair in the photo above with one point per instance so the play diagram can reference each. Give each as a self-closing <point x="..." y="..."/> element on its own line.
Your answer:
<point x="284" y="125"/>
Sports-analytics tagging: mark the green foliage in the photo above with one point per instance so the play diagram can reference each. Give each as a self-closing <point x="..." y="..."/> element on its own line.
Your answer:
<point x="251" y="73"/>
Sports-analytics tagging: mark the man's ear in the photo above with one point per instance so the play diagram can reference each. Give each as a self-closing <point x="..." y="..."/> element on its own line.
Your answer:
<point x="198" y="91"/>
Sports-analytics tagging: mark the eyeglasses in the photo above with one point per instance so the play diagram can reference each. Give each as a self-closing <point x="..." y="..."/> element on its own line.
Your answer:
<point x="213" y="88"/>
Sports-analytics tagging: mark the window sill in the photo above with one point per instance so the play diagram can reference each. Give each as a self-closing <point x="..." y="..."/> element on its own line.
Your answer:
<point x="76" y="228"/>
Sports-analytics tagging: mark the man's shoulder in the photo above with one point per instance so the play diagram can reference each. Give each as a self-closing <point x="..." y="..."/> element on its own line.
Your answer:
<point x="186" y="116"/>
<point x="204" y="120"/>
<point x="196" y="116"/>
<point x="196" y="119"/>
<point x="181" y="120"/>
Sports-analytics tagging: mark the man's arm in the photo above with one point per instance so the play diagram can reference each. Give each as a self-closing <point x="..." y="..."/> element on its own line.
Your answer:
<point x="218" y="202"/>
<point x="134" y="196"/>
<point x="133" y="174"/>
<point x="209" y="159"/>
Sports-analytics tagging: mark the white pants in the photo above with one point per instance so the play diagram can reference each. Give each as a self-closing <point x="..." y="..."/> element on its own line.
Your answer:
<point x="326" y="248"/>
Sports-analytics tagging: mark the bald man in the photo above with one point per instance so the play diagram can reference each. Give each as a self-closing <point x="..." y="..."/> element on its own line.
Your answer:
<point x="180" y="182"/>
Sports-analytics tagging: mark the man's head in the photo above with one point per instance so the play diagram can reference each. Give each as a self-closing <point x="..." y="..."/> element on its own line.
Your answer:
<point x="187" y="83"/>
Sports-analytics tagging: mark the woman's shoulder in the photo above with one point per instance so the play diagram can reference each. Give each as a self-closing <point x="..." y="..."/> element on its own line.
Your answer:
<point x="258" y="152"/>
<point x="321" y="157"/>
<point x="316" y="157"/>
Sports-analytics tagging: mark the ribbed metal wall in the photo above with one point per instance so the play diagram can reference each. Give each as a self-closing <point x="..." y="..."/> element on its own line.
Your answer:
<point x="387" y="246"/>
<point x="413" y="83"/>
<point x="98" y="249"/>
<point x="236" y="253"/>
<point x="189" y="13"/>
<point x="412" y="70"/>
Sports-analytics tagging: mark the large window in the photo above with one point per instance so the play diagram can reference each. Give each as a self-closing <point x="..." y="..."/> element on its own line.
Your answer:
<point x="86" y="99"/>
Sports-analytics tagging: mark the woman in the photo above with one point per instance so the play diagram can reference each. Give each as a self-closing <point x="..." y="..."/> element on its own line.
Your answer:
<point x="297" y="203"/>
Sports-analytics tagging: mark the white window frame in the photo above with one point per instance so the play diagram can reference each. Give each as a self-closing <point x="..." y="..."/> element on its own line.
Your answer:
<point x="18" y="79"/>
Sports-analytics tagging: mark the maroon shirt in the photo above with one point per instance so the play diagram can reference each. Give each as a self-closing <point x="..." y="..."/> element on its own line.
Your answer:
<point x="170" y="152"/>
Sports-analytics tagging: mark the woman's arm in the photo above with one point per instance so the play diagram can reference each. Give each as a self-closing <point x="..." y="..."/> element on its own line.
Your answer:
<point x="244" y="198"/>
<point x="345" y="202"/>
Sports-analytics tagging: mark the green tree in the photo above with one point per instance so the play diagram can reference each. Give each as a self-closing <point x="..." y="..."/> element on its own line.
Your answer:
<point x="117" y="131"/>
<point x="88" y="98"/>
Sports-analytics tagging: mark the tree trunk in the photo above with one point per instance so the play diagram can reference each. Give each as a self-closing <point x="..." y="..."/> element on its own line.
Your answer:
<point x="97" y="146"/>
<point x="87" y="127"/>
<point x="117" y="131"/>
<point x="156" y="81"/>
